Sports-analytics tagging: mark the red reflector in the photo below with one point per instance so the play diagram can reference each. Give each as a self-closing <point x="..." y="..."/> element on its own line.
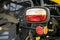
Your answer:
<point x="35" y="18"/>
<point x="39" y="30"/>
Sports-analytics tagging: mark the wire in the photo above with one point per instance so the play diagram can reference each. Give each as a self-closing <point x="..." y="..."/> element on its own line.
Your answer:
<point x="32" y="4"/>
<point x="42" y="2"/>
<point x="37" y="3"/>
<point x="30" y="34"/>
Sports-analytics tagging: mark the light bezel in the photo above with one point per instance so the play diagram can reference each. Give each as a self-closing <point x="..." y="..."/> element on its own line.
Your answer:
<point x="47" y="12"/>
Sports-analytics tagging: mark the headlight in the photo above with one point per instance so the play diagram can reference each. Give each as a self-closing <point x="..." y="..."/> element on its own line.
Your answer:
<point x="36" y="14"/>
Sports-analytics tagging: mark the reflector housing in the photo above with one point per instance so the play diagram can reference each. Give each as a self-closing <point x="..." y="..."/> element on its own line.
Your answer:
<point x="36" y="15"/>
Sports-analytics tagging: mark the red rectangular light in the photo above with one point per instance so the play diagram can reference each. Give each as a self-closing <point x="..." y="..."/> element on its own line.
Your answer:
<point x="36" y="15"/>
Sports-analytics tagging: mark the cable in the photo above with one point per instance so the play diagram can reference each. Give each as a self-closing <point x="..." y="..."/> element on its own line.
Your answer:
<point x="30" y="34"/>
<point x="42" y="2"/>
<point x="57" y="11"/>
<point x="32" y="4"/>
<point x="37" y="3"/>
